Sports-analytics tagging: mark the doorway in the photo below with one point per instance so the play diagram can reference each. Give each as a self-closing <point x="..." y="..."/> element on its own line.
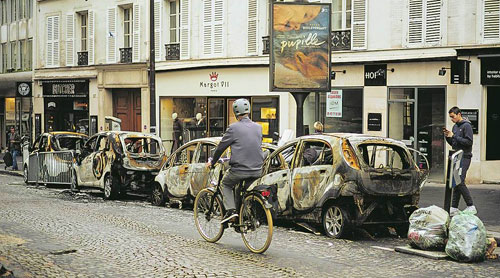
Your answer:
<point x="416" y="117"/>
<point x="492" y="123"/>
<point x="127" y="107"/>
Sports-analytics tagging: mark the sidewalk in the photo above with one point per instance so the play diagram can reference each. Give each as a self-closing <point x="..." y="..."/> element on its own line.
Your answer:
<point x="8" y="171"/>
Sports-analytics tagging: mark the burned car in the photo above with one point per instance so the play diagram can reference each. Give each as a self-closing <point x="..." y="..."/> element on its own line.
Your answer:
<point x="343" y="180"/>
<point x="119" y="162"/>
<point x="185" y="174"/>
<point x="49" y="160"/>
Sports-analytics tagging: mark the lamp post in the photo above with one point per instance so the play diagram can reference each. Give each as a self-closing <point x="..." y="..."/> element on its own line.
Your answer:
<point x="152" y="74"/>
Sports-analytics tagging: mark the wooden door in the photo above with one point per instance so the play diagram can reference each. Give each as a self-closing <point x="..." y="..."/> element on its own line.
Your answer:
<point x="127" y="107"/>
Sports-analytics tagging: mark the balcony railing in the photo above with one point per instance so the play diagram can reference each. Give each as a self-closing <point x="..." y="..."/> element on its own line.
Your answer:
<point x="83" y="58"/>
<point x="341" y="40"/>
<point x="172" y="51"/>
<point x="266" y="45"/>
<point x="126" y="55"/>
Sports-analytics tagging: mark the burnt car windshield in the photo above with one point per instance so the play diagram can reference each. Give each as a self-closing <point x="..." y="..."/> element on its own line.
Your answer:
<point x="140" y="145"/>
<point x="384" y="156"/>
<point x="70" y="143"/>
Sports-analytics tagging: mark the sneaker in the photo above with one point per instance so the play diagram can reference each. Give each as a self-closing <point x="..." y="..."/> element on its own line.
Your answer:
<point x="471" y="209"/>
<point x="454" y="211"/>
<point x="230" y="214"/>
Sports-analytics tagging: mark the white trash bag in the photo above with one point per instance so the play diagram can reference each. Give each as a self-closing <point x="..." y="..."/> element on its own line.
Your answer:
<point x="428" y="228"/>
<point x="467" y="238"/>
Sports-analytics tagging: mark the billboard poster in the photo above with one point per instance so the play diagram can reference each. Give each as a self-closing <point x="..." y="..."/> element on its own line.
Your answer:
<point x="334" y="104"/>
<point x="300" y="59"/>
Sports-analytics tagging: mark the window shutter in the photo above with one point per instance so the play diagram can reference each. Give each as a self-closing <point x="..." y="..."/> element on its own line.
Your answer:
<point x="50" y="43"/>
<point x="18" y="54"/>
<point x="111" y="36"/>
<point x="358" y="24"/>
<point x="252" y="27"/>
<point x="55" y="49"/>
<point x="2" y="57"/>
<point x="9" y="55"/>
<point x="70" y="39"/>
<point x="136" y="36"/>
<point x="90" y="37"/>
<point x="158" y="11"/>
<point x="184" y="29"/>
<point x="207" y="27"/>
<point x="218" y="27"/>
<point x="415" y="21"/>
<point x="433" y="22"/>
<point x="491" y="20"/>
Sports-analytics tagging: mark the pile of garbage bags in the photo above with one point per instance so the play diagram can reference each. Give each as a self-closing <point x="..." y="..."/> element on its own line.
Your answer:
<point x="463" y="238"/>
<point x="428" y="228"/>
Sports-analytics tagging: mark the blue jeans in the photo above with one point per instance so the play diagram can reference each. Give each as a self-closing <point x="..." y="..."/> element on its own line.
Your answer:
<point x="14" y="159"/>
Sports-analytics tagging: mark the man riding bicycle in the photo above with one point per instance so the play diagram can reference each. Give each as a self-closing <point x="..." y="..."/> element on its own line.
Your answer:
<point x="245" y="139"/>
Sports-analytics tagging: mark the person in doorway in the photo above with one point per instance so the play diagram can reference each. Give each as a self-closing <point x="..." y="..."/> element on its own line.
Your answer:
<point x="461" y="138"/>
<point x="14" y="146"/>
<point x="245" y="139"/>
<point x="318" y="128"/>
<point x="177" y="133"/>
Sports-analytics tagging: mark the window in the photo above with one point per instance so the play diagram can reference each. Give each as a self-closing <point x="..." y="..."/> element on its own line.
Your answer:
<point x="213" y="27"/>
<point x="206" y="151"/>
<point x="424" y="22"/>
<point x="185" y="156"/>
<point x="13" y="10"/>
<point x="13" y="54"/>
<point x="283" y="159"/>
<point x="4" y="57"/>
<point x="341" y="15"/>
<point x="384" y="156"/>
<point x="491" y="26"/>
<point x="174" y="13"/>
<point x="90" y="145"/>
<point x="29" y="55"/>
<point x="127" y="26"/>
<point x="83" y="31"/>
<point x="316" y="153"/>
<point x="22" y="56"/>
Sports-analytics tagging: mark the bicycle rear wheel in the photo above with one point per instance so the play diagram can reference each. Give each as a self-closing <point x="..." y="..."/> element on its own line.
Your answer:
<point x="208" y="222"/>
<point x="256" y="224"/>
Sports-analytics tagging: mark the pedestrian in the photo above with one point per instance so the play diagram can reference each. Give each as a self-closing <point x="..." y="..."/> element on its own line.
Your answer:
<point x="460" y="138"/>
<point x="318" y="128"/>
<point x="14" y="146"/>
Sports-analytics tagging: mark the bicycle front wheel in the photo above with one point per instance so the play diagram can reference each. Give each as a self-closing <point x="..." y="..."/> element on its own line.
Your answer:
<point x="256" y="224"/>
<point x="208" y="221"/>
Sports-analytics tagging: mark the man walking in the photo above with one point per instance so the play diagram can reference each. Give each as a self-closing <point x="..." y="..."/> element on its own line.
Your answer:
<point x="14" y="146"/>
<point x="460" y="138"/>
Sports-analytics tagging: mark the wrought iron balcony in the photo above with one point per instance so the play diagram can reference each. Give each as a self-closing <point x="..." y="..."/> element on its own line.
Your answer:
<point x="341" y="40"/>
<point x="266" y="45"/>
<point x="173" y="51"/>
<point x="126" y="55"/>
<point x="83" y="58"/>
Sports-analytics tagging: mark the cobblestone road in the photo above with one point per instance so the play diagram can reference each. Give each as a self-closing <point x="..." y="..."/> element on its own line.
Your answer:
<point x="52" y="233"/>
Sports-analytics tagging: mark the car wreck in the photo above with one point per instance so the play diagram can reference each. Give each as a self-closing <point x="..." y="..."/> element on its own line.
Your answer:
<point x="119" y="162"/>
<point x="185" y="174"/>
<point x="343" y="180"/>
<point x="50" y="159"/>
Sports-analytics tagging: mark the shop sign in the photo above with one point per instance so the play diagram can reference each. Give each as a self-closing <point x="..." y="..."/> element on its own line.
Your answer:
<point x="300" y="59"/>
<point x="65" y="88"/>
<point x="376" y="75"/>
<point x="460" y="72"/>
<point x="214" y="82"/>
<point x="490" y="71"/>
<point x="334" y="104"/>
<point x="374" y="121"/>
<point x="23" y="89"/>
<point x="473" y="116"/>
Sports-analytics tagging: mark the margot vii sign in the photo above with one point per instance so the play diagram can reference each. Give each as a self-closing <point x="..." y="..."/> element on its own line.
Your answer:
<point x="214" y="82"/>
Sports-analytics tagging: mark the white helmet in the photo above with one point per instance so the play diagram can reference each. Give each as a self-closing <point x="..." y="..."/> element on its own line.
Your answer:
<point x="241" y="106"/>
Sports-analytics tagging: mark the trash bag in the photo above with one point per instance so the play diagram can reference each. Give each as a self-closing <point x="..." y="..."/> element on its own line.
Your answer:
<point x="428" y="228"/>
<point x="467" y="240"/>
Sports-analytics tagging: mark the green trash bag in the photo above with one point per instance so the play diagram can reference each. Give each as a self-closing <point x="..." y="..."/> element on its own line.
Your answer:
<point x="467" y="238"/>
<point x="428" y="228"/>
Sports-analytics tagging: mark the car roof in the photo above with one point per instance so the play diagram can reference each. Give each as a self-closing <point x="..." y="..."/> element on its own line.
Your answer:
<point x="128" y="133"/>
<point x="355" y="138"/>
<point x="59" y="133"/>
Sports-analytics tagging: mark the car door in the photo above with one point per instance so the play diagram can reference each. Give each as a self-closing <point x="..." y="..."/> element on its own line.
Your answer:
<point x="85" y="172"/>
<point x="99" y="159"/>
<point x="277" y="171"/>
<point x="178" y="177"/>
<point x="33" y="162"/>
<point x="311" y="174"/>
<point x="201" y="174"/>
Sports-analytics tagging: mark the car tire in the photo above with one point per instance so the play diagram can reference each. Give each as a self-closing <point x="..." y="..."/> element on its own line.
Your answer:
<point x="74" y="182"/>
<point x="110" y="188"/>
<point x="335" y="220"/>
<point x="25" y="174"/>
<point x="158" y="197"/>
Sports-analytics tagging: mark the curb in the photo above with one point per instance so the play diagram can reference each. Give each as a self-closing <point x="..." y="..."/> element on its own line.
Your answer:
<point x="11" y="173"/>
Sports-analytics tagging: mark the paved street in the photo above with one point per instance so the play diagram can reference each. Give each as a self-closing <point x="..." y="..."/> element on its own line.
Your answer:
<point x="49" y="232"/>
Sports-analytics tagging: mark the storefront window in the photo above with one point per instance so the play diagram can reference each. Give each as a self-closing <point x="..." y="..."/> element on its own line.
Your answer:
<point x="492" y="123"/>
<point x="265" y="111"/>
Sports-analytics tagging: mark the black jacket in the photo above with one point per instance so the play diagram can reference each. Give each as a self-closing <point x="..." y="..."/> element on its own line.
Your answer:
<point x="462" y="138"/>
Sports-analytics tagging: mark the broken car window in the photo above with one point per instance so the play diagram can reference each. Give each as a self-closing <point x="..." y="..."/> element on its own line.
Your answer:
<point x="70" y="143"/>
<point x="206" y="151"/>
<point x="316" y="153"/>
<point x="384" y="156"/>
<point x="282" y="160"/>
<point x="185" y="156"/>
<point x="142" y="145"/>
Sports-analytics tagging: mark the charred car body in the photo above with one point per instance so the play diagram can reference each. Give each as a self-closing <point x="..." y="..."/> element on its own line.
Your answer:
<point x="50" y="159"/>
<point x="341" y="180"/>
<point x="185" y="174"/>
<point x="118" y="162"/>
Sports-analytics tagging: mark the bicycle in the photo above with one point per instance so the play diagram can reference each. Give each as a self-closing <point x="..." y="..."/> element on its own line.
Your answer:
<point x="254" y="223"/>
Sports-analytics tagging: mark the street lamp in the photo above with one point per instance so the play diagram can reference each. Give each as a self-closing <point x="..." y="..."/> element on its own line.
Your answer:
<point x="442" y="71"/>
<point x="333" y="73"/>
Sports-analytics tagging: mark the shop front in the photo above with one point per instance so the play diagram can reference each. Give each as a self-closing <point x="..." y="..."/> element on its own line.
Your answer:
<point x="15" y="109"/>
<point x="198" y="103"/>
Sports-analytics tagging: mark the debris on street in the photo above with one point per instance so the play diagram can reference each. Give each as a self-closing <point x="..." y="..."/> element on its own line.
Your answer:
<point x="467" y="238"/>
<point x="492" y="245"/>
<point x="428" y="228"/>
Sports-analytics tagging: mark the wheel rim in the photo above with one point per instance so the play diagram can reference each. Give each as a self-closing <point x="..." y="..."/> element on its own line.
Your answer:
<point x="107" y="187"/>
<point x="209" y="226"/>
<point x="334" y="221"/>
<point x="256" y="224"/>
<point x="157" y="195"/>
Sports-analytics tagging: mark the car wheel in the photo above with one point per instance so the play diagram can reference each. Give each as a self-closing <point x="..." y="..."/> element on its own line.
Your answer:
<point x="335" y="221"/>
<point x="110" y="188"/>
<point x="25" y="174"/>
<point x="157" y="195"/>
<point x="74" y="182"/>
